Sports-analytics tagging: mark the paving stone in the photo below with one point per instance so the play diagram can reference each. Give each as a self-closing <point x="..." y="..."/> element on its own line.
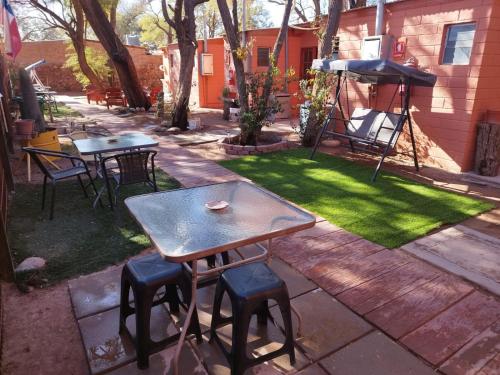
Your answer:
<point x="488" y="223"/>
<point x="295" y="250"/>
<point x="463" y="251"/>
<point x="204" y="304"/>
<point x="376" y="292"/>
<point x="339" y="257"/>
<point x="409" y="311"/>
<point x="96" y="292"/>
<point x="261" y="340"/>
<point x="106" y="349"/>
<point x="355" y="272"/>
<point x="296" y="283"/>
<point x="476" y="354"/>
<point x="313" y="370"/>
<point x="161" y="363"/>
<point x="375" y="354"/>
<point x="326" y="324"/>
<point x="492" y="367"/>
<point x="442" y="336"/>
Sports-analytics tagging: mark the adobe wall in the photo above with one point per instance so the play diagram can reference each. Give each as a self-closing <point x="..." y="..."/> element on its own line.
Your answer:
<point x="61" y="79"/>
<point x="445" y="115"/>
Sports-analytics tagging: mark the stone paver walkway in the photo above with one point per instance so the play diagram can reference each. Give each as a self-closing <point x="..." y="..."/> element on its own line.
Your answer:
<point x="367" y="310"/>
<point x="463" y="251"/>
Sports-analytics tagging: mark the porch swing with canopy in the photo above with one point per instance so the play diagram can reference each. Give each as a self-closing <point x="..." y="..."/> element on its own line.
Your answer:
<point x="377" y="131"/>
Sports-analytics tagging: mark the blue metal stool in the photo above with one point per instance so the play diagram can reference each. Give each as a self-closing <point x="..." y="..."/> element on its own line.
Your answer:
<point x="145" y="276"/>
<point x="250" y="287"/>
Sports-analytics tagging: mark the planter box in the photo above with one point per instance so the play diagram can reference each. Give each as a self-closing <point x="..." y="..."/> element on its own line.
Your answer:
<point x="231" y="149"/>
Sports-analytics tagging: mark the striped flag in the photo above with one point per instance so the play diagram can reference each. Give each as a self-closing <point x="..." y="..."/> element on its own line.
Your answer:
<point x="10" y="31"/>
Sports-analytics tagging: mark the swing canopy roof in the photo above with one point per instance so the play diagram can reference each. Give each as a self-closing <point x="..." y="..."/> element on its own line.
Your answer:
<point x="376" y="71"/>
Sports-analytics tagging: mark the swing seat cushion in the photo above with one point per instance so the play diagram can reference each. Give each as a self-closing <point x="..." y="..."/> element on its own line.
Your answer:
<point x="365" y="124"/>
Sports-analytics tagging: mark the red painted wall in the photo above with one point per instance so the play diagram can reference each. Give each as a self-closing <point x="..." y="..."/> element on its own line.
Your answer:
<point x="445" y="115"/>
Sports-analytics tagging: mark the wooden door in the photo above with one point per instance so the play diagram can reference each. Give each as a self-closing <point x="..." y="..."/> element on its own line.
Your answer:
<point x="307" y="55"/>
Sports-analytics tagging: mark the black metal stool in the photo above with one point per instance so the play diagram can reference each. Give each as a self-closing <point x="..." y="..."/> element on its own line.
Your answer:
<point x="249" y="288"/>
<point x="145" y="276"/>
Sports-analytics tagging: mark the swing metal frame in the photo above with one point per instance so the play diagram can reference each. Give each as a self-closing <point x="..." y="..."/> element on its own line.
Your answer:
<point x="374" y="143"/>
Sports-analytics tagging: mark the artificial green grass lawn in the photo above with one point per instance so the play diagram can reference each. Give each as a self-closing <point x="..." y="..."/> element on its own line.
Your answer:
<point x="391" y="212"/>
<point x="80" y="239"/>
<point x="63" y="111"/>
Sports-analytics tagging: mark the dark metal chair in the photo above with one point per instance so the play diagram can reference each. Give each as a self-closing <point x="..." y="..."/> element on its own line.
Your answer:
<point x="77" y="169"/>
<point x="132" y="169"/>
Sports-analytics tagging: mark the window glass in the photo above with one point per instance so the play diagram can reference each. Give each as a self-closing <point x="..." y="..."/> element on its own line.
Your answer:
<point x="458" y="44"/>
<point x="263" y="56"/>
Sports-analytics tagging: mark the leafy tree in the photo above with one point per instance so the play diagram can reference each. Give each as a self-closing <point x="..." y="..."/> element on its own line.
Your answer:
<point x="98" y="61"/>
<point x="127" y="19"/>
<point x="117" y="53"/>
<point x="67" y="16"/>
<point x="154" y="30"/>
<point x="249" y="132"/>
<point x="183" y="21"/>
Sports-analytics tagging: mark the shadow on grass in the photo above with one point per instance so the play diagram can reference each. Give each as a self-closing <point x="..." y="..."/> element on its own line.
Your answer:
<point x="80" y="239"/>
<point x="392" y="211"/>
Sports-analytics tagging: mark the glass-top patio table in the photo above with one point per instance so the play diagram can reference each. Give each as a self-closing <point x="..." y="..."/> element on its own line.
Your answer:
<point x="99" y="146"/>
<point x="102" y="145"/>
<point x="184" y="230"/>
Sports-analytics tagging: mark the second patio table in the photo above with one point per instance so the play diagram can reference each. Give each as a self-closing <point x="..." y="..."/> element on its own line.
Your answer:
<point x="102" y="145"/>
<point x="184" y="230"/>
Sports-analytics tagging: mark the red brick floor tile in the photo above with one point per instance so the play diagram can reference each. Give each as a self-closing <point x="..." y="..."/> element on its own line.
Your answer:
<point x="355" y="272"/>
<point x="297" y="250"/>
<point x="411" y="310"/>
<point x="442" y="336"/>
<point x="376" y="292"/>
<point x="476" y="354"/>
<point x="492" y="367"/>
<point x="338" y="257"/>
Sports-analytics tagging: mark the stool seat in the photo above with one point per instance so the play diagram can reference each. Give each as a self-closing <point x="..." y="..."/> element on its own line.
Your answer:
<point x="254" y="280"/>
<point x="145" y="276"/>
<point x="250" y="287"/>
<point x="153" y="269"/>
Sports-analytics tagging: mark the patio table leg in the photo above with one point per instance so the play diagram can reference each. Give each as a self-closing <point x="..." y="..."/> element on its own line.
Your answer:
<point x="294" y="310"/>
<point x="192" y="305"/>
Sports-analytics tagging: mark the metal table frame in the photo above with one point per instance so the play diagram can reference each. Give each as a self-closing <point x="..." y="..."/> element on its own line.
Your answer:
<point x="199" y="276"/>
<point x="98" y="157"/>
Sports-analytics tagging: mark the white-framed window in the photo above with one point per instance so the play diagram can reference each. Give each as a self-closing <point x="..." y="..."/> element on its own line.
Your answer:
<point x="458" y="43"/>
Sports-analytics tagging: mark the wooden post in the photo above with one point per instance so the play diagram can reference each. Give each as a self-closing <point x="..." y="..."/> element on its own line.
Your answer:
<point x="487" y="161"/>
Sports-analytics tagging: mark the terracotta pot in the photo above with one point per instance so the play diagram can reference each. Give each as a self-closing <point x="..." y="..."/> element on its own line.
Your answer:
<point x="24" y="127"/>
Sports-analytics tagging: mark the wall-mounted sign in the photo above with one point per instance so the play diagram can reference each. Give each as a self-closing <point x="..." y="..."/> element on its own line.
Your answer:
<point x="399" y="49"/>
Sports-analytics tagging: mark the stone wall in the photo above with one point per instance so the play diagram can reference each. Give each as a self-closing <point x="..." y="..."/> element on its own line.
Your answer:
<point x="59" y="78"/>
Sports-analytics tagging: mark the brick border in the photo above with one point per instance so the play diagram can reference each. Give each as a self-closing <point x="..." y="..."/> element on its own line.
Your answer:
<point x="231" y="149"/>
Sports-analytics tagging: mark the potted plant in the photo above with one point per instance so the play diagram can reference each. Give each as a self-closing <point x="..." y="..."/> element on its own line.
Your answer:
<point x="260" y="112"/>
<point x="227" y="103"/>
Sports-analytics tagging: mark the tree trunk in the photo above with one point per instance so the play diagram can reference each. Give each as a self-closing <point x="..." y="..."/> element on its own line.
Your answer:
<point x="112" y="13"/>
<point x="277" y="50"/>
<point x="183" y="92"/>
<point x="326" y="50"/>
<point x="79" y="47"/>
<point x="78" y="41"/>
<point x="118" y="54"/>
<point x="184" y="24"/>
<point x="487" y="159"/>
<point x="332" y="26"/>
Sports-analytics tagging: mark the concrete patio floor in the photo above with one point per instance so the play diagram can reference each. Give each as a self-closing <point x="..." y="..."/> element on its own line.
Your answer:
<point x="366" y="309"/>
